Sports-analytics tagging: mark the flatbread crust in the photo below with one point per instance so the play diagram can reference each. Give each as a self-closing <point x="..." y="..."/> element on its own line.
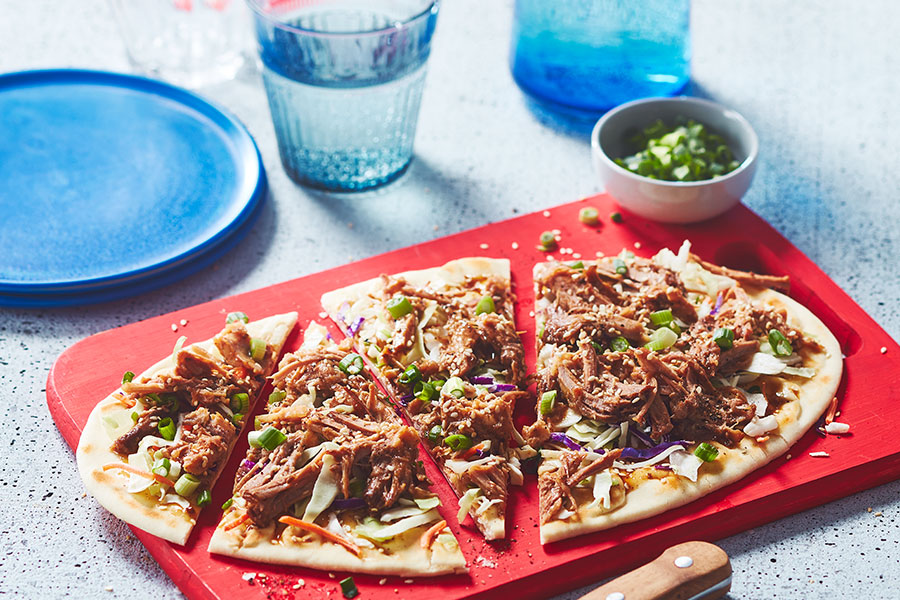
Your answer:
<point x="402" y="555"/>
<point x="491" y="522"/>
<point x="656" y="493"/>
<point x="170" y="521"/>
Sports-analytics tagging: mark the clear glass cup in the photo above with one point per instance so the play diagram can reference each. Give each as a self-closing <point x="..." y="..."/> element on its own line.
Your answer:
<point x="344" y="81"/>
<point x="583" y="57"/>
<point x="191" y="43"/>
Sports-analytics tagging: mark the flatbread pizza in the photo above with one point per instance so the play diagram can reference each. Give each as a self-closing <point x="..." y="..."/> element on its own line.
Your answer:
<point x="332" y="479"/>
<point x="151" y="451"/>
<point x="445" y="346"/>
<point x="661" y="380"/>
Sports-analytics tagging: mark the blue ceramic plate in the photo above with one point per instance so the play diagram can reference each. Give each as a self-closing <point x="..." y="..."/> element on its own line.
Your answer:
<point x="111" y="180"/>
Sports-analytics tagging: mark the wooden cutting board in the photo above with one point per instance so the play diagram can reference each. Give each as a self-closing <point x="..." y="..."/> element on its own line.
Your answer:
<point x="520" y="567"/>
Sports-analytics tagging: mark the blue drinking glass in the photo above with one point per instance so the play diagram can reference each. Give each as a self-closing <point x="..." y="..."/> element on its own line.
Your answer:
<point x="344" y="81"/>
<point x="583" y="57"/>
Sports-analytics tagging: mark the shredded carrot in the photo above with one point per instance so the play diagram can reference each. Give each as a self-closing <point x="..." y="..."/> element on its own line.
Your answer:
<point x="428" y="536"/>
<point x="470" y="452"/>
<point x="241" y="519"/>
<point x="141" y="472"/>
<point x="832" y="410"/>
<point x="312" y="527"/>
<point x="125" y="400"/>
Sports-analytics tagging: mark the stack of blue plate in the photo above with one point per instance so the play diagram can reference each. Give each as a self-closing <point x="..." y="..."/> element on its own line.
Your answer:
<point x="112" y="185"/>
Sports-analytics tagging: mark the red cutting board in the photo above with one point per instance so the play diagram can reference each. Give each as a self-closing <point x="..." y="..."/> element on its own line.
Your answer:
<point x="520" y="567"/>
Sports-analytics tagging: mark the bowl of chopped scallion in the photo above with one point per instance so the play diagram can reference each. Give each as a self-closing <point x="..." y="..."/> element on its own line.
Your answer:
<point x="675" y="160"/>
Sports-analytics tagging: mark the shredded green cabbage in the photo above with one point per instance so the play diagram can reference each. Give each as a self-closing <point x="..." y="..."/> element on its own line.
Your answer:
<point x="324" y="491"/>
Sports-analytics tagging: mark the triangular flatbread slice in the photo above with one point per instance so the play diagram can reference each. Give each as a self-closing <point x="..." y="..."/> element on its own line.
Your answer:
<point x="151" y="451"/>
<point x="661" y="380"/>
<point x="445" y="346"/>
<point x="332" y="478"/>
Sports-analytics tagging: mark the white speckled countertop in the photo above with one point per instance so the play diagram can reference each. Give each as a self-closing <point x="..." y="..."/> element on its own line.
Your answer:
<point x="819" y="82"/>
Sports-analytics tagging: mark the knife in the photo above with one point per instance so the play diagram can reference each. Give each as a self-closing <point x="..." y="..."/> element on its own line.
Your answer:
<point x="688" y="571"/>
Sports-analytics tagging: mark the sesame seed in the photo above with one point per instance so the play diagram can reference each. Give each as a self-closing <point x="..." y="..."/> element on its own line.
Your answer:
<point x="515" y="245"/>
<point x="598" y="253"/>
<point x="869" y="509"/>
<point x="576" y="255"/>
<point x="884" y="349"/>
<point x="331" y="576"/>
<point x="819" y="454"/>
<point x="382" y="581"/>
<point x="531" y="313"/>
<point x="323" y="314"/>
<point x="183" y="322"/>
<point x="637" y="245"/>
<point x="407" y="581"/>
<point x="549" y="257"/>
<point x="546" y="213"/>
<point x="555" y="231"/>
<point x="108" y="588"/>
<point x="788" y="457"/>
<point x="878" y="514"/>
<point x="174" y="327"/>
<point x="483" y="246"/>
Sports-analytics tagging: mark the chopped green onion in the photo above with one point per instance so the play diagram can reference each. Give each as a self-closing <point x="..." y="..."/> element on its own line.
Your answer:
<point x="661" y="339"/>
<point x="577" y="265"/>
<point x="237" y="316"/>
<point x="454" y="386"/>
<point x="620" y="266"/>
<point x="615" y="217"/>
<point x="135" y="417"/>
<point x="239" y="403"/>
<point x="596" y="346"/>
<point x="485" y="305"/>
<point x="161" y="466"/>
<point x="548" y="401"/>
<point x="204" y="498"/>
<point x="257" y="349"/>
<point x="269" y="438"/>
<point x="724" y="337"/>
<point x="166" y="429"/>
<point x="411" y="375"/>
<point x="277" y="396"/>
<point x="435" y="434"/>
<point x="399" y="306"/>
<point x="257" y="424"/>
<point x="424" y="391"/>
<point x="128" y="377"/>
<point x="661" y="317"/>
<point x="237" y="419"/>
<point x="548" y="241"/>
<point x="589" y="215"/>
<point x="706" y="452"/>
<point x="352" y="364"/>
<point x="458" y="442"/>
<point x="348" y="588"/>
<point x="780" y="344"/>
<point x="186" y="485"/>
<point x="228" y="503"/>
<point x="619" y="344"/>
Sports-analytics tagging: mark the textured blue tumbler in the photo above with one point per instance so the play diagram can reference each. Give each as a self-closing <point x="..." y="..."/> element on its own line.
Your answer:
<point x="583" y="57"/>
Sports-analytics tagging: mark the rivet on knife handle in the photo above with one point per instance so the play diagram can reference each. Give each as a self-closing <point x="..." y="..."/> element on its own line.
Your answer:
<point x="688" y="571"/>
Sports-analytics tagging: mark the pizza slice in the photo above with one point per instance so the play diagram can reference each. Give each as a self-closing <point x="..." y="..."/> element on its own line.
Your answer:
<point x="332" y="478"/>
<point x="445" y="346"/>
<point x="661" y="380"/>
<point x="151" y="452"/>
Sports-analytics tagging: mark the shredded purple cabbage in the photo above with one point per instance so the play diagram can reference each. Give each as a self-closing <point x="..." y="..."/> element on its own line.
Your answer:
<point x="648" y="453"/>
<point x="348" y="503"/>
<point x="482" y="453"/>
<point x="342" y="312"/>
<point x="565" y="440"/>
<point x="663" y="467"/>
<point x="481" y="380"/>
<point x="328" y="335"/>
<point x="719" y="300"/>
<point x="354" y="327"/>
<point x="502" y="387"/>
<point x="406" y="398"/>
<point x="247" y="464"/>
<point x="636" y="432"/>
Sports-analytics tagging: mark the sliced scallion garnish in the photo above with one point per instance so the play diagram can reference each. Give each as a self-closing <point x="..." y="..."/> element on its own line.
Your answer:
<point x="399" y="306"/>
<point x="204" y="498"/>
<point x="269" y="438"/>
<point x="228" y="503"/>
<point x="348" y="588"/>
<point x="577" y="265"/>
<point x="619" y="344"/>
<point x="352" y="364"/>
<point x="162" y="466"/>
<point x="239" y="403"/>
<point x="135" y="417"/>
<point x="458" y="442"/>
<point x="435" y="434"/>
<point x="277" y="396"/>
<point x="661" y="339"/>
<point x="620" y="266"/>
<point x="548" y="402"/>
<point x="166" y="429"/>
<point x="257" y="349"/>
<point x="237" y="316"/>
<point x="485" y="305"/>
<point x="454" y="386"/>
<point x="706" y="452"/>
<point x="780" y="344"/>
<point x="411" y="375"/>
<point x="424" y="391"/>
<point x="724" y="337"/>
<point x="615" y="217"/>
<point x="186" y="485"/>
<point x="548" y="241"/>
<point x="589" y="215"/>
<point x="128" y="377"/>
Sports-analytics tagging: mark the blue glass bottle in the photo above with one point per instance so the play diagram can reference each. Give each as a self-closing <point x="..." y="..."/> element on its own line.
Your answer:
<point x="583" y="57"/>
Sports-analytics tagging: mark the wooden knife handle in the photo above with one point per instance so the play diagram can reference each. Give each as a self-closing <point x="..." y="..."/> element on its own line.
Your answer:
<point x="680" y="573"/>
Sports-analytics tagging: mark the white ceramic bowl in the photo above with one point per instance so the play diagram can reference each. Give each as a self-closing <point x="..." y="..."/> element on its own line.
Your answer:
<point x="673" y="201"/>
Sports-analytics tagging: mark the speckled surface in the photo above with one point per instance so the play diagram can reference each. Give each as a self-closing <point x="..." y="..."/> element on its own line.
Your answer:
<point x="817" y="80"/>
